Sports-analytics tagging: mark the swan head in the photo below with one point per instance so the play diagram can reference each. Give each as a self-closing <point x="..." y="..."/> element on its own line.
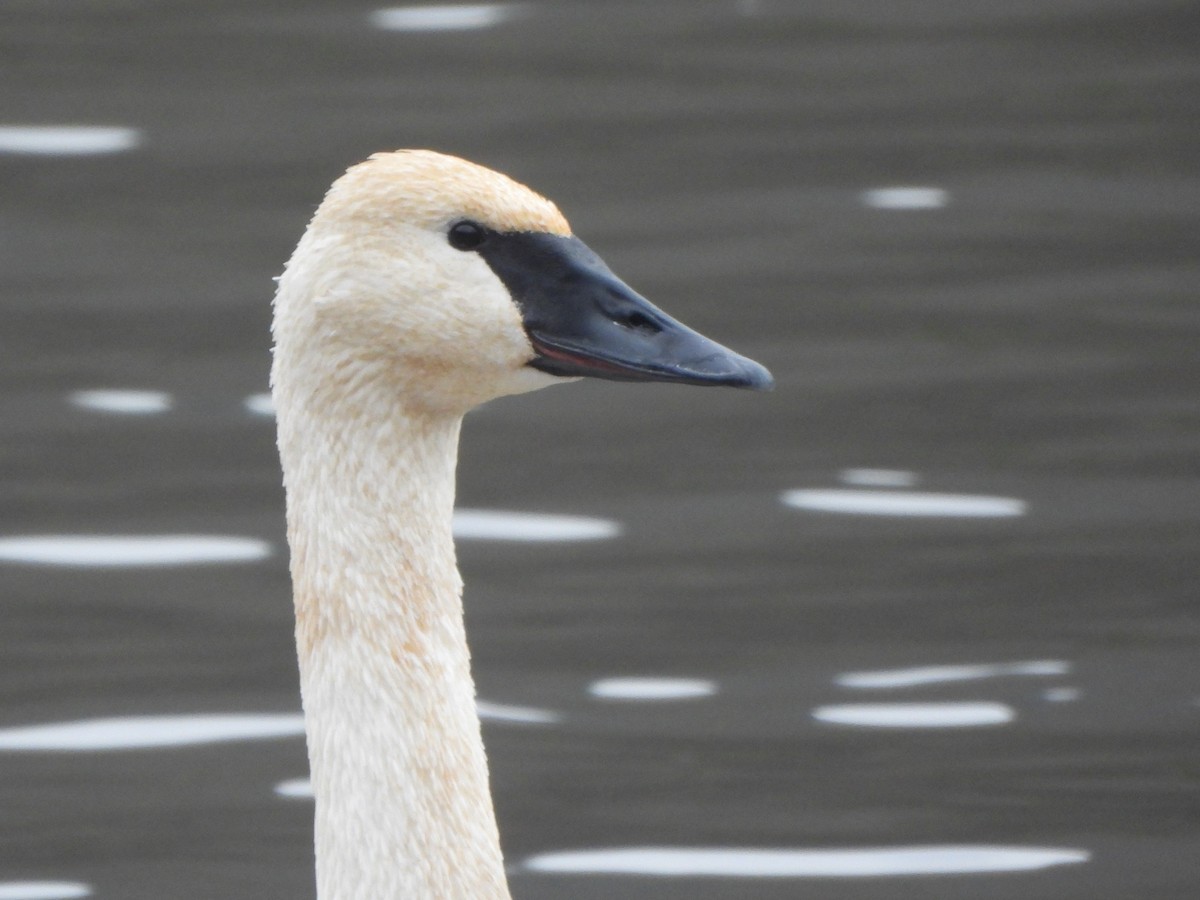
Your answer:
<point x="456" y="284"/>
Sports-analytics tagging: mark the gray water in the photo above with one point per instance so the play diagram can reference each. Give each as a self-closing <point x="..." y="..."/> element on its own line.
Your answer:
<point x="1008" y="682"/>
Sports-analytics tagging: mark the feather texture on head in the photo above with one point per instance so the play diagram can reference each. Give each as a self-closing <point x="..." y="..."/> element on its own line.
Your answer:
<point x="422" y="186"/>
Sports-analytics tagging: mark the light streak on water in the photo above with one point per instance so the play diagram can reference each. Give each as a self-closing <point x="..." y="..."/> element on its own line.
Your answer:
<point x="906" y="198"/>
<point x="525" y="715"/>
<point x="869" y="862"/>
<point x="916" y="715"/>
<point x="640" y="689"/>
<point x="148" y="732"/>
<point x="903" y="503"/>
<point x="1062" y="694"/>
<point x="892" y="679"/>
<point x="878" y="477"/>
<point x="260" y="404"/>
<point x="498" y="525"/>
<point x="295" y="789"/>
<point x="43" y="890"/>
<point x="120" y="402"/>
<point x="66" y="140"/>
<point x="117" y="551"/>
<point x="466" y="17"/>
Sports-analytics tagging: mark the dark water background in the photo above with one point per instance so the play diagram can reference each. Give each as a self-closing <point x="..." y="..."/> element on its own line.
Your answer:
<point x="1035" y="338"/>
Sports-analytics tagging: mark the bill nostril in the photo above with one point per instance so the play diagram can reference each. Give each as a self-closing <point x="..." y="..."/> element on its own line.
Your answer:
<point x="639" y="321"/>
<point x="618" y="307"/>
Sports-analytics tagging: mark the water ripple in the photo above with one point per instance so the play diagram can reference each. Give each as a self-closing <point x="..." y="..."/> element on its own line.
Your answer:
<point x="145" y="732"/>
<point x="467" y="17"/>
<point x="872" y="862"/>
<point x="651" y="688"/>
<point x="43" y="890"/>
<point x="906" y="197"/>
<point x="123" y="402"/>
<point x="903" y="503"/>
<point x="66" y="140"/>
<point x="916" y="715"/>
<point x="890" y="679"/>
<point x="498" y="525"/>
<point x="113" y="551"/>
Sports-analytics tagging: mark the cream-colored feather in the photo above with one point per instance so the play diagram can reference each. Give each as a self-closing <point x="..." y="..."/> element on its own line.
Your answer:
<point x="384" y="337"/>
<point x="386" y="334"/>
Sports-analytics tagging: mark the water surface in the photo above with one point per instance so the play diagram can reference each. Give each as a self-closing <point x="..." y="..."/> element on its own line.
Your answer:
<point x="919" y="624"/>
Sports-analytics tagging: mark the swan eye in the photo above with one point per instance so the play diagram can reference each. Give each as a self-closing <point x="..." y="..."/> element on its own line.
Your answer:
<point x="466" y="235"/>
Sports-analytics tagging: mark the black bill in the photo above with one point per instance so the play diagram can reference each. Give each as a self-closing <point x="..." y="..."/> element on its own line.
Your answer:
<point x="583" y="320"/>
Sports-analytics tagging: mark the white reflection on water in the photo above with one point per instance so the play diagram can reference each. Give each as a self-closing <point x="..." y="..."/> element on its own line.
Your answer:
<point x="66" y="140"/>
<point x="916" y="715"/>
<point x="651" y="688"/>
<point x="525" y="715"/>
<point x="260" y="404"/>
<point x="890" y="679"/>
<point x="148" y="732"/>
<point x="441" y="18"/>
<point x="43" y="890"/>
<point x="497" y="525"/>
<point x="111" y="551"/>
<point x="145" y="732"/>
<point x="906" y="198"/>
<point x="878" y="477"/>
<point x="123" y="403"/>
<point x="295" y="789"/>
<point x="903" y="503"/>
<point x="1062" y="694"/>
<point x="867" y="862"/>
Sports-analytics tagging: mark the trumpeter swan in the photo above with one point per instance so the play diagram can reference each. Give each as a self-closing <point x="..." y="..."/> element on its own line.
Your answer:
<point x="424" y="285"/>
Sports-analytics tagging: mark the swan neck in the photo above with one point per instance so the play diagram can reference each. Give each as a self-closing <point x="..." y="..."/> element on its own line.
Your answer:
<point x="403" y="806"/>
